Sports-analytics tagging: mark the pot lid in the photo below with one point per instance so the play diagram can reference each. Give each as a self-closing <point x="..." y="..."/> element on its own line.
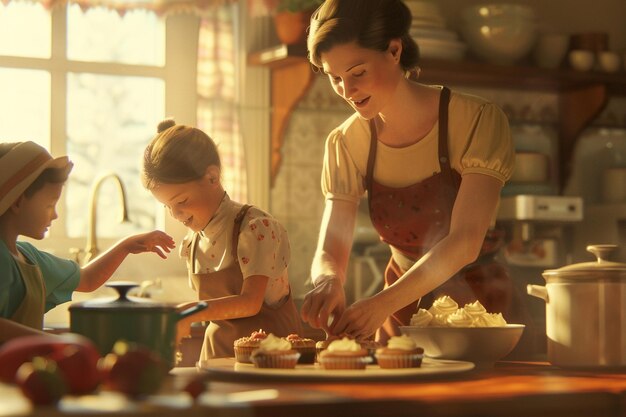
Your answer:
<point x="602" y="267"/>
<point x="123" y="300"/>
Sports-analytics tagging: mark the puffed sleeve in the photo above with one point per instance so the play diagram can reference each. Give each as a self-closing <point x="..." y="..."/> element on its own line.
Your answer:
<point x="341" y="178"/>
<point x="263" y="247"/>
<point x="490" y="148"/>
<point x="61" y="276"/>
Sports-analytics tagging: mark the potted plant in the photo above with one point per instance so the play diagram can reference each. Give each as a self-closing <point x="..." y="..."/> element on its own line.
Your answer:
<point x="292" y="18"/>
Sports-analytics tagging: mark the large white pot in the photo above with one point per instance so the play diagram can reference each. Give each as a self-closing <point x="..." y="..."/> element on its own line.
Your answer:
<point x="586" y="312"/>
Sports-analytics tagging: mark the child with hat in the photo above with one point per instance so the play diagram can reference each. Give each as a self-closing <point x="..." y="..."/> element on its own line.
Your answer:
<point x="32" y="281"/>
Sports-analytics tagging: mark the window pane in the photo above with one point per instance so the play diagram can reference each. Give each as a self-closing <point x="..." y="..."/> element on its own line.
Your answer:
<point x="102" y="35"/>
<point x="110" y="121"/>
<point x="24" y="30"/>
<point x="25" y="106"/>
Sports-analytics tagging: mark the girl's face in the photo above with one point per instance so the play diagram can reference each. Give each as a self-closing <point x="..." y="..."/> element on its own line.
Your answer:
<point x="365" y="78"/>
<point x="39" y="210"/>
<point x="192" y="203"/>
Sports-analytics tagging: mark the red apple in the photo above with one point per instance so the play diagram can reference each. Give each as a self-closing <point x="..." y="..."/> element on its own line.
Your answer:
<point x="41" y="381"/>
<point x="133" y="370"/>
<point x="79" y="366"/>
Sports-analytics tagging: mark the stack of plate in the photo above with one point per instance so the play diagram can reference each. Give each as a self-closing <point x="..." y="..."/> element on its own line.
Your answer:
<point x="429" y="31"/>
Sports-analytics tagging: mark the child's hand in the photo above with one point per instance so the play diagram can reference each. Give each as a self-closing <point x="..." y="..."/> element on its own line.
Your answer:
<point x="155" y="241"/>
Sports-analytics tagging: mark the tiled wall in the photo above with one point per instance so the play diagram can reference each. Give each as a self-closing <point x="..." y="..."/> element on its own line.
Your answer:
<point x="296" y="197"/>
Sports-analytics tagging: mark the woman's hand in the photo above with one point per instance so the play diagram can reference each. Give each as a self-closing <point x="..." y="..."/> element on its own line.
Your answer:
<point x="155" y="241"/>
<point x="326" y="301"/>
<point x="361" y="319"/>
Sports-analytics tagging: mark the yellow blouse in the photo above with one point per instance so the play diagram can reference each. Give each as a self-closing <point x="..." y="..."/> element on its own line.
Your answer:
<point x="479" y="142"/>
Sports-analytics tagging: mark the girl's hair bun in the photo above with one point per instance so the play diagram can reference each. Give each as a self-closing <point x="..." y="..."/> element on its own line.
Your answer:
<point x="165" y="124"/>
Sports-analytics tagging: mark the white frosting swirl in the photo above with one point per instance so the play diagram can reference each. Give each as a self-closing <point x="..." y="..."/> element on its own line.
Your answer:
<point x="460" y="318"/>
<point x="490" y="320"/>
<point x="439" y="320"/>
<point x="272" y="342"/>
<point x="402" y="342"/>
<point x="344" y="345"/>
<point x="421" y="319"/>
<point x="443" y="305"/>
<point x="475" y="309"/>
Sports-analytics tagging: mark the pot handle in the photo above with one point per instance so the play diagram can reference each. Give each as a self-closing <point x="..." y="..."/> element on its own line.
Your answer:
<point x="192" y="310"/>
<point x="537" y="291"/>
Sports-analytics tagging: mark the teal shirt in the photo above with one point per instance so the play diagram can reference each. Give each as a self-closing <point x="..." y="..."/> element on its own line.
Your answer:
<point x="61" y="277"/>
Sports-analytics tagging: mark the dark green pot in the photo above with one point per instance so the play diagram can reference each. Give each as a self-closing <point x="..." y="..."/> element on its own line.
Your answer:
<point x="139" y="320"/>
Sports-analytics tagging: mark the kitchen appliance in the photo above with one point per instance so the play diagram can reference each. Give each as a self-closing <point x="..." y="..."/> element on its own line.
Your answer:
<point x="537" y="227"/>
<point x="134" y="319"/>
<point x="586" y="312"/>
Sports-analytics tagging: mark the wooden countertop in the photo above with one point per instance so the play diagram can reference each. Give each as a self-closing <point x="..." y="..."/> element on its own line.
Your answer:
<point x="508" y="389"/>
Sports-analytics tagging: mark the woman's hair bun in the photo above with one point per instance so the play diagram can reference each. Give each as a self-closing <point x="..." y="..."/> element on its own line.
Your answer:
<point x="165" y="124"/>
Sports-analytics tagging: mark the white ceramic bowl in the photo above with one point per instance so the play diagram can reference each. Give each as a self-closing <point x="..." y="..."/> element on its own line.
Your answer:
<point x="480" y="345"/>
<point x="500" y="40"/>
<point x="581" y="59"/>
<point x="488" y="11"/>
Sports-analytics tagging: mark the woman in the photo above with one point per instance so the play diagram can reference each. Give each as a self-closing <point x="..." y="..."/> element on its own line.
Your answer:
<point x="432" y="162"/>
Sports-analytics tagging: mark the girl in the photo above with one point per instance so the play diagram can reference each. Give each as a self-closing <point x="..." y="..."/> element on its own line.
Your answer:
<point x="237" y="255"/>
<point x="433" y="163"/>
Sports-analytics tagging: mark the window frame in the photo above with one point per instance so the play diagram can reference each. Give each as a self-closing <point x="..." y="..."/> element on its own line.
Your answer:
<point x="179" y="74"/>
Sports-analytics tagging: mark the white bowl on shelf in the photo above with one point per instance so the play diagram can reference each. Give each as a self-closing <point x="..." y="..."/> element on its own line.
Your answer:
<point x="500" y="40"/>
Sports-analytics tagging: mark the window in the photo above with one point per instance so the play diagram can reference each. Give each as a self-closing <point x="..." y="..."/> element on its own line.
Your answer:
<point x="92" y="85"/>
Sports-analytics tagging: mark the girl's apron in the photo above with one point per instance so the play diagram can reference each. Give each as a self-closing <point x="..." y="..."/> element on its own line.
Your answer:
<point x="31" y="310"/>
<point x="281" y="319"/>
<point x="413" y="219"/>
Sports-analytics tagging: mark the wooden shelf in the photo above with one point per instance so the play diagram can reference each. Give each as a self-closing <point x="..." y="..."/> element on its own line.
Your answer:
<point x="582" y="95"/>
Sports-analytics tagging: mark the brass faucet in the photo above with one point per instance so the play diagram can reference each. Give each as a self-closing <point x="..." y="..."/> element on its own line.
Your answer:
<point x="92" y="248"/>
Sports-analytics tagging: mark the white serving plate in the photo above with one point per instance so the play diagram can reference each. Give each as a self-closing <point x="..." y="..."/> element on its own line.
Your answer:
<point x="228" y="367"/>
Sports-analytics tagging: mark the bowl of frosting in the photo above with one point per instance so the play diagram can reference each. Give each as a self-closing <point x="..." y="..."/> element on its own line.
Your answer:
<point x="470" y="333"/>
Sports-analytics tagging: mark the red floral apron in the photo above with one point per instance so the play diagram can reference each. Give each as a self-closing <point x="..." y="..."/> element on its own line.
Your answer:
<point x="413" y="219"/>
<point x="281" y="319"/>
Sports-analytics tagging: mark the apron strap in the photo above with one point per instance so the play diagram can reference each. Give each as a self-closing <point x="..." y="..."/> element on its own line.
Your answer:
<point x="371" y="159"/>
<point x="236" y="229"/>
<point x="444" y="154"/>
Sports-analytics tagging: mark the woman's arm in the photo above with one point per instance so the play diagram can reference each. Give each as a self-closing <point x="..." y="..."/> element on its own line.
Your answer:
<point x="96" y="272"/>
<point x="473" y="212"/>
<point x="330" y="262"/>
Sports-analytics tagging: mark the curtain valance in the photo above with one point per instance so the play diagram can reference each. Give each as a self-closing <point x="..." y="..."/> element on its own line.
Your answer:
<point x="160" y="7"/>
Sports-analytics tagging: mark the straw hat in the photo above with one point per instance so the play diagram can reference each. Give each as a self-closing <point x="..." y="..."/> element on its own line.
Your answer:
<point x="20" y="165"/>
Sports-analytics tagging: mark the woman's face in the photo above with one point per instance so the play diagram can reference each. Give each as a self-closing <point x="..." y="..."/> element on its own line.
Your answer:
<point x="365" y="78"/>
<point x="192" y="203"/>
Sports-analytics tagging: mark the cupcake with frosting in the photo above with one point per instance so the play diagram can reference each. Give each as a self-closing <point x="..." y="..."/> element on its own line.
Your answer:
<point x="490" y="320"/>
<point x="442" y="307"/>
<point x="304" y="346"/>
<point x="475" y="309"/>
<point x="400" y="352"/>
<point x="421" y="318"/>
<point x="244" y="346"/>
<point x="344" y="353"/>
<point x="274" y="352"/>
<point x="460" y="318"/>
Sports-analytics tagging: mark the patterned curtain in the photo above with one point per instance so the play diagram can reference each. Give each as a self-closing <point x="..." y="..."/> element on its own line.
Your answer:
<point x="160" y="7"/>
<point x="218" y="111"/>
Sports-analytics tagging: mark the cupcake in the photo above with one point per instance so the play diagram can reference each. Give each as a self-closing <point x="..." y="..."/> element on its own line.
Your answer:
<point x="244" y="346"/>
<point x="344" y="354"/>
<point x="274" y="352"/>
<point x="400" y="352"/>
<point x="421" y="318"/>
<point x="304" y="346"/>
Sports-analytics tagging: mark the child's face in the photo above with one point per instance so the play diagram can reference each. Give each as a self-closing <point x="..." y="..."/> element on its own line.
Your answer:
<point x="37" y="212"/>
<point x="191" y="203"/>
